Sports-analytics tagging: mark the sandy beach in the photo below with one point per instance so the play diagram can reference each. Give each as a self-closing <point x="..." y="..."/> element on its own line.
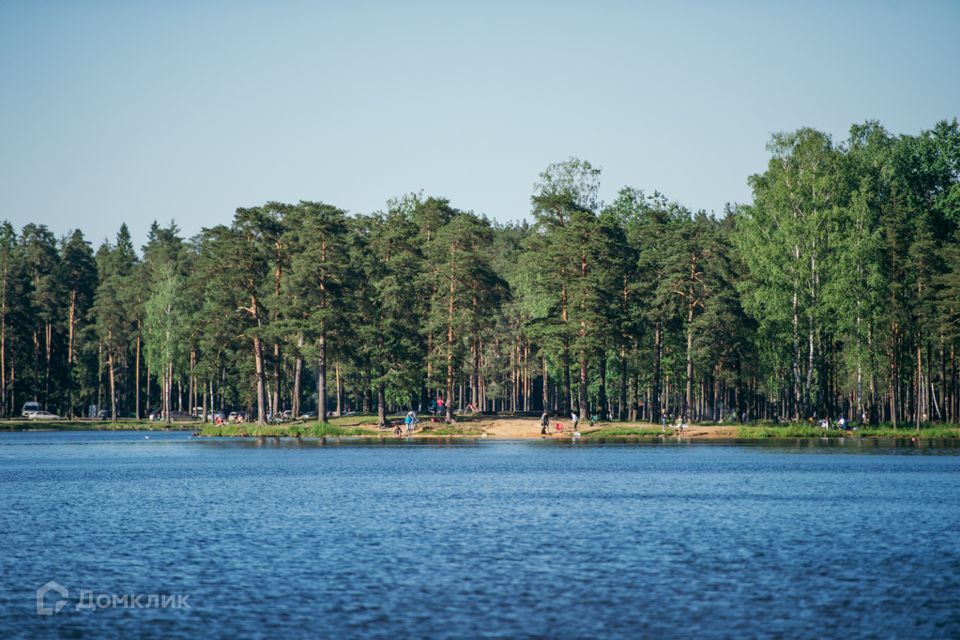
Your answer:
<point x="514" y="428"/>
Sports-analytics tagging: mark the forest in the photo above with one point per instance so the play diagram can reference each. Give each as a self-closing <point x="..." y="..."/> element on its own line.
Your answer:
<point x="836" y="291"/>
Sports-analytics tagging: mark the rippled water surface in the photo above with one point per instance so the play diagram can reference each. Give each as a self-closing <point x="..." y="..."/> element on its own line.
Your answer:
<point x="491" y="539"/>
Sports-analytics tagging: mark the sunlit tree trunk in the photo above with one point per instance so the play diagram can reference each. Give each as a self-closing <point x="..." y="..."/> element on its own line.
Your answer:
<point x="322" y="377"/>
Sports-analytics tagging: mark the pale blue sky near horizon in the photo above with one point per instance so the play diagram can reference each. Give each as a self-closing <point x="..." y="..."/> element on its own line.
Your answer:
<point x="116" y="112"/>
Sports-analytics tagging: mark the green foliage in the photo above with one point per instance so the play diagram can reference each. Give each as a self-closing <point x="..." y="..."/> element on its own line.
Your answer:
<point x="315" y="430"/>
<point x="833" y="292"/>
<point x="165" y="326"/>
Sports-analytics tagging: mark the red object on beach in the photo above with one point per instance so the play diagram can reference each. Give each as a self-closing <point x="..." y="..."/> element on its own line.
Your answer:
<point x="559" y="426"/>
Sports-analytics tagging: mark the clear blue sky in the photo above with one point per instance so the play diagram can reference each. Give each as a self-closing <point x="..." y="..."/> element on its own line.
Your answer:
<point x="135" y="111"/>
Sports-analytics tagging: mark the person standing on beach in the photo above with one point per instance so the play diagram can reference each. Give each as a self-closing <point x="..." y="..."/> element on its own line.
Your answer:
<point x="544" y="422"/>
<point x="575" y="419"/>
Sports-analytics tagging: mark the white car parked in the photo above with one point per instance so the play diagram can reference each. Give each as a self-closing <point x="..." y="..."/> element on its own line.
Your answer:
<point x="29" y="408"/>
<point x="43" y="415"/>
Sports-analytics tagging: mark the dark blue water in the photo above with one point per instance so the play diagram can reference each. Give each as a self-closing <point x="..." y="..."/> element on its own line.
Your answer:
<point x="491" y="539"/>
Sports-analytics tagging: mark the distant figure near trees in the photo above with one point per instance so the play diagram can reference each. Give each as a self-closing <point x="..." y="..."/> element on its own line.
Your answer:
<point x="410" y="420"/>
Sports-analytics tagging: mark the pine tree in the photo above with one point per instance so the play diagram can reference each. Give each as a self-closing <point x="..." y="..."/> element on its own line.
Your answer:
<point x="80" y="280"/>
<point x="315" y="296"/>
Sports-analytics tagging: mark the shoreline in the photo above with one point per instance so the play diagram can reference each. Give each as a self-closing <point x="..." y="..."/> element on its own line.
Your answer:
<point x="494" y="428"/>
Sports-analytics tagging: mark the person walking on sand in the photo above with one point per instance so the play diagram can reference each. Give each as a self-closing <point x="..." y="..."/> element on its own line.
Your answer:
<point x="544" y="422"/>
<point x="408" y="420"/>
<point x="575" y="419"/>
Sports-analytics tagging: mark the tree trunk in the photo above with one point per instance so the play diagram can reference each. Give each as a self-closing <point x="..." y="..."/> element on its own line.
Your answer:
<point x="137" y="376"/>
<point x="381" y="403"/>
<point x="4" y="407"/>
<point x="796" y="353"/>
<point x="546" y="386"/>
<point x="71" y="321"/>
<point x="451" y="302"/>
<point x="254" y="311"/>
<point x="168" y="400"/>
<point x="893" y="383"/>
<point x="203" y="400"/>
<point x="602" y="391"/>
<point x="339" y="383"/>
<point x="297" y="377"/>
<point x="582" y="401"/>
<point x="113" y="387"/>
<point x="656" y="410"/>
<point x="261" y="390"/>
<point x="322" y="378"/>
<point x="475" y="373"/>
<point x="621" y="408"/>
<point x="688" y="409"/>
<point x="48" y="341"/>
<point x="3" y="356"/>
<point x="920" y="408"/>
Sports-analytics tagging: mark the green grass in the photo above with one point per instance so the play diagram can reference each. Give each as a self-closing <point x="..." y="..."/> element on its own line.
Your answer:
<point x="882" y="431"/>
<point x="930" y="431"/>
<point x="619" y="431"/>
<point x="354" y="421"/>
<point x="789" y="431"/>
<point x="450" y="430"/>
<point x="309" y="430"/>
<point x="93" y="425"/>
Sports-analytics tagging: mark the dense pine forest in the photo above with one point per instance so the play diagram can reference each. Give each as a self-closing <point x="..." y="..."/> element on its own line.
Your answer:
<point x="836" y="292"/>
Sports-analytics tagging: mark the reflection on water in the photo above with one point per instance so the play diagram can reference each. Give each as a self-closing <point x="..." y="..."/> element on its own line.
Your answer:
<point x="429" y="537"/>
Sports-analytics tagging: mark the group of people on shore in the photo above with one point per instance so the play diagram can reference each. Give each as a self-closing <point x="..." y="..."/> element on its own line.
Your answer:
<point x="439" y="407"/>
<point x="679" y="427"/>
<point x="840" y="424"/>
<point x="410" y="422"/>
<point x="559" y="426"/>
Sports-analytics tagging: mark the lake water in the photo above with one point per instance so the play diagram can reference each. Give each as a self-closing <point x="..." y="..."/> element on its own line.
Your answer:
<point x="502" y="539"/>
